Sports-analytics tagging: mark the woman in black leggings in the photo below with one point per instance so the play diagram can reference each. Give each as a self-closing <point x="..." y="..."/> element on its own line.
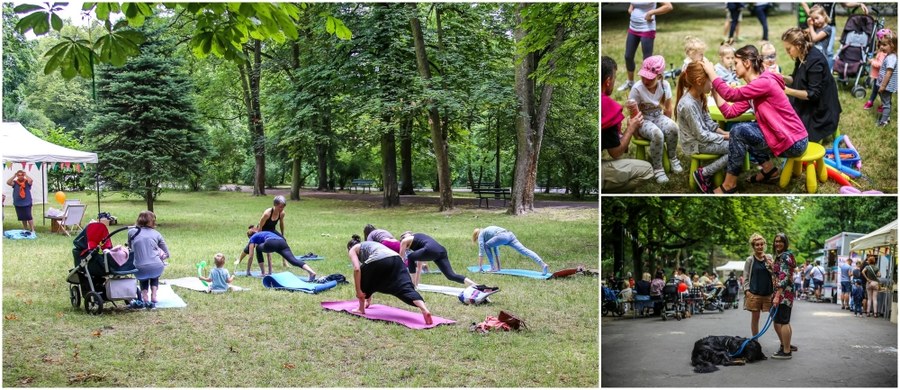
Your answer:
<point x="269" y="242"/>
<point x="425" y="248"/>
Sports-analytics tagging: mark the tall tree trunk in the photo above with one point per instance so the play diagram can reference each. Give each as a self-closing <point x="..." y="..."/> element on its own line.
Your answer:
<point x="296" y="166"/>
<point x="250" y="77"/>
<point x="322" y="158"/>
<point x="441" y="147"/>
<point x="332" y="161"/>
<point x="391" y="197"/>
<point x="618" y="242"/>
<point x="406" y="176"/>
<point x="530" y="121"/>
<point x="497" y="157"/>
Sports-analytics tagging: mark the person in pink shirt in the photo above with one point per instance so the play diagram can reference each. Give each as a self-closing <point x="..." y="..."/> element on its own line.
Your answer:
<point x="777" y="131"/>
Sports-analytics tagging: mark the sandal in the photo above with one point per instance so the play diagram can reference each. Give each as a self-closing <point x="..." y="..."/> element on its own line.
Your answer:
<point x="724" y="191"/>
<point x="769" y="177"/>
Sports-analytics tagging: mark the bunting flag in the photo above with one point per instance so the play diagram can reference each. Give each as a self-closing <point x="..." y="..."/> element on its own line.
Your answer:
<point x="30" y="166"/>
<point x="8" y="165"/>
<point x="38" y="165"/>
<point x="67" y="165"/>
<point x="78" y="167"/>
<point x="23" y="164"/>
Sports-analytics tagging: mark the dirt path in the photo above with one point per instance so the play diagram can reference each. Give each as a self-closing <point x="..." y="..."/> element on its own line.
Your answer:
<point x="375" y="198"/>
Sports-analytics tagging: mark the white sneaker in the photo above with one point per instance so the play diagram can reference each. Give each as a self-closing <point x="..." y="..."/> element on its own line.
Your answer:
<point x="661" y="177"/>
<point x="626" y="86"/>
<point x="676" y="166"/>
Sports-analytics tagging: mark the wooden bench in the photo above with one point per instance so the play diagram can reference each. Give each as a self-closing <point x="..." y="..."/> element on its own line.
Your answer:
<point x="485" y="191"/>
<point x="361" y="184"/>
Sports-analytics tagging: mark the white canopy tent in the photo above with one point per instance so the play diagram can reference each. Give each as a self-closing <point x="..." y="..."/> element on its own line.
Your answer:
<point x="732" y="266"/>
<point x="31" y="154"/>
<point x="884" y="236"/>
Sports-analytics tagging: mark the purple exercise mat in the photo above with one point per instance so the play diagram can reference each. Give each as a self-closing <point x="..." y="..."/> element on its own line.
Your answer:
<point x="387" y="313"/>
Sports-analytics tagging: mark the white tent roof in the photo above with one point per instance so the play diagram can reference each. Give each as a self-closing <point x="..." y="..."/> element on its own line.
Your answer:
<point x="18" y="145"/>
<point x="884" y="236"/>
<point x="732" y="266"/>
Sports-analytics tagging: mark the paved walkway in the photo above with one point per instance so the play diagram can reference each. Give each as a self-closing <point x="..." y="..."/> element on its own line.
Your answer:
<point x="835" y="350"/>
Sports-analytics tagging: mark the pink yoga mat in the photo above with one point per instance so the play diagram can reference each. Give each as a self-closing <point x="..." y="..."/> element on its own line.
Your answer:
<point x="412" y="320"/>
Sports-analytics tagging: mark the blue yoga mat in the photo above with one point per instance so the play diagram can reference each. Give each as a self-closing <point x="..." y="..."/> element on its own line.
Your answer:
<point x="255" y="274"/>
<point x="289" y="281"/>
<point x="510" y="271"/>
<point x="19" y="234"/>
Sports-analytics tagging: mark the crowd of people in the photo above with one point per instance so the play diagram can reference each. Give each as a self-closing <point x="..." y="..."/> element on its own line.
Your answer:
<point x="790" y="111"/>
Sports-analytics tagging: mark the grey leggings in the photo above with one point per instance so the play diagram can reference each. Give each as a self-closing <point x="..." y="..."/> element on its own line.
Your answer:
<point x="886" y="101"/>
<point x="717" y="148"/>
<point x="659" y="129"/>
<point x="631" y="44"/>
<point x="747" y="137"/>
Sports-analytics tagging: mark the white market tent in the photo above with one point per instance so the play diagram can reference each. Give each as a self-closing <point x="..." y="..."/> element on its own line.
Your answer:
<point x="31" y="154"/>
<point x="732" y="266"/>
<point x="884" y="236"/>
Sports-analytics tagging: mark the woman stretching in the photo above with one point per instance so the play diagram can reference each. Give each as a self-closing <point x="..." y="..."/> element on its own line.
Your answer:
<point x="777" y="129"/>
<point x="269" y="242"/>
<point x="379" y="269"/>
<point x="491" y="238"/>
<point x="424" y="248"/>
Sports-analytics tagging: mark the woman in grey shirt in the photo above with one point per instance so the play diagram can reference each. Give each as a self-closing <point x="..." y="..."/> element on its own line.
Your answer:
<point x="150" y="252"/>
<point x="697" y="131"/>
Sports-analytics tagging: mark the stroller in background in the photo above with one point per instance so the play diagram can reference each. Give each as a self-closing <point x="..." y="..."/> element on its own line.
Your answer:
<point x="612" y="302"/>
<point x="730" y="294"/>
<point x="97" y="277"/>
<point x="858" y="45"/>
<point x="673" y="303"/>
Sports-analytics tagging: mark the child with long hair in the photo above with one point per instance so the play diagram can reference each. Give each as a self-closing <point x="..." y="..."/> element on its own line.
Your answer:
<point x="875" y="63"/>
<point x="654" y="99"/>
<point x="822" y="33"/>
<point x="887" y="76"/>
<point x="698" y="132"/>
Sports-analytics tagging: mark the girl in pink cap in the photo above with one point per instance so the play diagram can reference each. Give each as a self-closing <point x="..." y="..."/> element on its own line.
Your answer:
<point x="654" y="99"/>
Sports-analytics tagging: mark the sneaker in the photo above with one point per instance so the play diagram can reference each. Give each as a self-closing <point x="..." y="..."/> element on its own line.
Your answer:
<point x="661" y="177"/>
<point x="884" y="123"/>
<point x="150" y="305"/>
<point x="701" y="181"/>
<point x="881" y="108"/>
<point x="867" y="106"/>
<point x="676" y="166"/>
<point x="625" y="86"/>
<point x="136" y="304"/>
<point x="312" y="278"/>
<point x="781" y="355"/>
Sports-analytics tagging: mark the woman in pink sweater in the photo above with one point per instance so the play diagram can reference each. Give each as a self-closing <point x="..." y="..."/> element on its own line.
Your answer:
<point x="777" y="130"/>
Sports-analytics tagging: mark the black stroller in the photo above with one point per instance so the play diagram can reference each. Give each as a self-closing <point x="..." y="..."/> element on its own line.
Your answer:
<point x="858" y="45"/>
<point x="97" y="277"/>
<point x="730" y="294"/>
<point x="673" y="303"/>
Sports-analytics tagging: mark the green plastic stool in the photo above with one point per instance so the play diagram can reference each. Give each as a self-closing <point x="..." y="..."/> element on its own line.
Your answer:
<point x="700" y="160"/>
<point x="641" y="152"/>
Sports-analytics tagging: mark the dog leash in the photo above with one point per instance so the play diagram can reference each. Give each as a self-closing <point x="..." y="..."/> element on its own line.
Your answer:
<point x="772" y="312"/>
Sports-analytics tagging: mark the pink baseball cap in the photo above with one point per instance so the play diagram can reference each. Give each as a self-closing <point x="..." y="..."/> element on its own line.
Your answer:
<point x="885" y="31"/>
<point x="652" y="67"/>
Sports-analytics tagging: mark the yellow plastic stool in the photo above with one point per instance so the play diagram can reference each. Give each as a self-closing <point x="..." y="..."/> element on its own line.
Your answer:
<point x="701" y="159"/>
<point x="641" y="152"/>
<point x="814" y="156"/>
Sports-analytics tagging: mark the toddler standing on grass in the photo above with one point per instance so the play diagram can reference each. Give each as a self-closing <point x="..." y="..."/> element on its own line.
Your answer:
<point x="887" y="76"/>
<point x="653" y="96"/>
<point x="219" y="276"/>
<point x="725" y="66"/>
<point x="770" y="58"/>
<point x="876" y="69"/>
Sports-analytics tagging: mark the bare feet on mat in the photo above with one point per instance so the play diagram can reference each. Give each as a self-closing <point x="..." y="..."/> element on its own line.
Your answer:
<point x="427" y="316"/>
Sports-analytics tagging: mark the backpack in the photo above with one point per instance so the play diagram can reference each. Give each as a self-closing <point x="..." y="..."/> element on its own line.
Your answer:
<point x="476" y="295"/>
<point x="335" y="277"/>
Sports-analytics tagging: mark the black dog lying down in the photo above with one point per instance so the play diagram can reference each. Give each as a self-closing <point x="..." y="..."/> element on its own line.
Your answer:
<point x="716" y="350"/>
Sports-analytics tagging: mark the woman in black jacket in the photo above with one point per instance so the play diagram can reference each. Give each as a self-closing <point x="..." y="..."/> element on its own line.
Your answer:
<point x="812" y="91"/>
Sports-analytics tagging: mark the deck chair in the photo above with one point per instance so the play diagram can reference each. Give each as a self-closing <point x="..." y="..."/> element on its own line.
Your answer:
<point x="71" y="221"/>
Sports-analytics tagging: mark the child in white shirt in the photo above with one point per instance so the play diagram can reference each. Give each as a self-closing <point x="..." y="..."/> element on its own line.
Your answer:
<point x="654" y="99"/>
<point x="725" y="66"/>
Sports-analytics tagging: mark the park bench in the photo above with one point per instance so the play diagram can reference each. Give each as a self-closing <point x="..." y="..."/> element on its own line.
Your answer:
<point x="361" y="184"/>
<point x="485" y="191"/>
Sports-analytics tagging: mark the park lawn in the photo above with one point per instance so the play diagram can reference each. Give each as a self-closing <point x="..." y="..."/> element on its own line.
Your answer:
<point x="262" y="338"/>
<point x="877" y="146"/>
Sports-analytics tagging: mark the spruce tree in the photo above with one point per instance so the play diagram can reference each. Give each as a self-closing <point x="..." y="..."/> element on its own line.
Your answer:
<point x="145" y="128"/>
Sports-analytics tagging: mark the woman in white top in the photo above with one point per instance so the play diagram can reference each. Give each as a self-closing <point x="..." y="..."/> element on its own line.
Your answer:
<point x="641" y="31"/>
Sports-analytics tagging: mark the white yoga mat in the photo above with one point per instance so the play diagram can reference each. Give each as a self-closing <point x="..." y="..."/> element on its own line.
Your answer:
<point x="166" y="298"/>
<point x="447" y="290"/>
<point x="193" y="283"/>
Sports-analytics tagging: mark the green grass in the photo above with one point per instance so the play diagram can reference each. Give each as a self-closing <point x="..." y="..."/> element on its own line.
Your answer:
<point x="877" y="146"/>
<point x="262" y="338"/>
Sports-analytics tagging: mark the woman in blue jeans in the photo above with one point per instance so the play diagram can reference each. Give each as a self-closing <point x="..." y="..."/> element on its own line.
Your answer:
<point x="489" y="240"/>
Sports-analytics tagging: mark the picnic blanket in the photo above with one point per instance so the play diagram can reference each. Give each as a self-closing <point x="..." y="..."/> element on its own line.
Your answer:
<point x="166" y="298"/>
<point x="387" y="313"/>
<point x="194" y="283"/>
<point x="446" y="290"/>
<point x="511" y="271"/>
<point x="19" y="234"/>
<point x="291" y="282"/>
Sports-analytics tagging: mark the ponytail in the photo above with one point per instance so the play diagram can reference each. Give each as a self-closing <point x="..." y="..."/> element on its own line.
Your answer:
<point x="682" y="84"/>
<point x="799" y="38"/>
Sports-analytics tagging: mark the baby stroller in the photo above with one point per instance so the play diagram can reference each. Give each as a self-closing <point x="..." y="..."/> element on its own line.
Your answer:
<point x="612" y="302"/>
<point x="713" y="301"/>
<point x="97" y="277"/>
<point x="857" y="46"/>
<point x="673" y="303"/>
<point x="730" y="294"/>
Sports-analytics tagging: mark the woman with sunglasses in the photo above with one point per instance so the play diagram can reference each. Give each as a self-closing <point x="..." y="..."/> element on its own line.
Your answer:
<point x="812" y="90"/>
<point x="777" y="130"/>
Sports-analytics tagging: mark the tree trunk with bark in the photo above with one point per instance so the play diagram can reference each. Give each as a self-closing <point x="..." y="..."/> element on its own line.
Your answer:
<point x="250" y="82"/>
<point x="439" y="139"/>
<point x="296" y="166"/>
<point x="406" y="176"/>
<point x="391" y="197"/>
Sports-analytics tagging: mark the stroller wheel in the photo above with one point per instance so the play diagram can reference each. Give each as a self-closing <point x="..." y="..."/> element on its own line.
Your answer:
<point x="75" y="295"/>
<point x="93" y="304"/>
<point x="858" y="92"/>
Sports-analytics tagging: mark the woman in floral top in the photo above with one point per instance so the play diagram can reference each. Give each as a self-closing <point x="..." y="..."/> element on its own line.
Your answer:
<point x="784" y="294"/>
